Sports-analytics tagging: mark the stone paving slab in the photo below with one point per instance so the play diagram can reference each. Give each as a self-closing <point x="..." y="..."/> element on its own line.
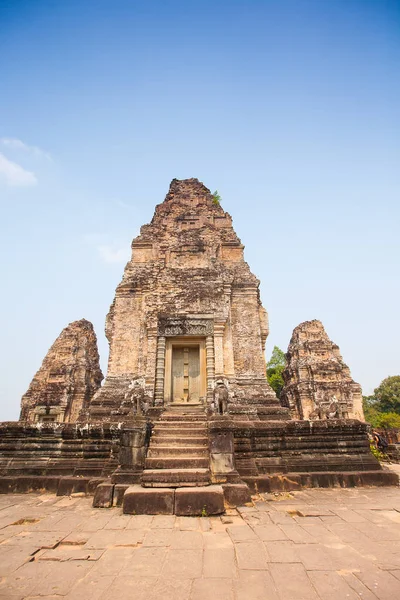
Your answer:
<point x="312" y="544"/>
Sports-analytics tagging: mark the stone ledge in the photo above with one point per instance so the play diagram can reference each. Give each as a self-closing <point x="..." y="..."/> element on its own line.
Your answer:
<point x="323" y="479"/>
<point x="61" y="486"/>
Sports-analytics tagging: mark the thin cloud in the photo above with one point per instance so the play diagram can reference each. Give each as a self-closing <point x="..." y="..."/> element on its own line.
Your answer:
<point x="16" y="144"/>
<point x="14" y="175"/>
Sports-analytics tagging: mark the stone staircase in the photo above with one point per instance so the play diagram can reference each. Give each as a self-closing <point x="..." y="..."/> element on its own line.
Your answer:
<point x="178" y="454"/>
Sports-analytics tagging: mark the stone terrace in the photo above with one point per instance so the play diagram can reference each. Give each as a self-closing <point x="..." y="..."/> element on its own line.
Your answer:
<point x="329" y="544"/>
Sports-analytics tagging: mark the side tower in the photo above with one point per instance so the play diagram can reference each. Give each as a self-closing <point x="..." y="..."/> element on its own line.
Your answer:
<point x="69" y="376"/>
<point x="186" y="314"/>
<point x="318" y="383"/>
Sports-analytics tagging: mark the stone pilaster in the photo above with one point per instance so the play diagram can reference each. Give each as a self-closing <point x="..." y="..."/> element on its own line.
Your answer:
<point x="151" y="355"/>
<point x="210" y="366"/>
<point x="160" y="372"/>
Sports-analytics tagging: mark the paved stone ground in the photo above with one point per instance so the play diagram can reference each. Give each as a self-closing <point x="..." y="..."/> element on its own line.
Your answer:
<point x="328" y="544"/>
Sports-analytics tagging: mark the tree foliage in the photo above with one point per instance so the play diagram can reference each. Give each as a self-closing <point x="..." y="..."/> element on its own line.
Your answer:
<point x="387" y="394"/>
<point x="382" y="409"/>
<point x="275" y="367"/>
<point x="388" y="420"/>
<point x="216" y="198"/>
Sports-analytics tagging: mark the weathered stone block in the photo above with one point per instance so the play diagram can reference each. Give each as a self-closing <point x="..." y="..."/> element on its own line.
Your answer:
<point x="221" y="463"/>
<point x="236" y="494"/>
<point x="221" y="442"/>
<point x="132" y="457"/>
<point x="103" y="495"/>
<point x="201" y="501"/>
<point x="148" y="501"/>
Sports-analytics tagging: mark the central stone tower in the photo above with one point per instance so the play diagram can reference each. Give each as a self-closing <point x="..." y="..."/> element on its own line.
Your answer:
<point x="187" y="314"/>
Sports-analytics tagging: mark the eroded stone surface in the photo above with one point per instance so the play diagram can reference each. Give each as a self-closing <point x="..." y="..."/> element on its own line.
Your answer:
<point x="69" y="376"/>
<point x="318" y="384"/>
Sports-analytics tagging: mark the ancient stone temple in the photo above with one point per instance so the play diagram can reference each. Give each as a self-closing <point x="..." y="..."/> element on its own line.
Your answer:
<point x="318" y="384"/>
<point x="186" y="422"/>
<point x="69" y="376"/>
<point x="186" y="314"/>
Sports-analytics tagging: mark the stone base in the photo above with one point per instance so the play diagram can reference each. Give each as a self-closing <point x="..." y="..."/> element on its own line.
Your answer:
<point x="323" y="479"/>
<point x="148" y="501"/>
<point x="236" y="494"/>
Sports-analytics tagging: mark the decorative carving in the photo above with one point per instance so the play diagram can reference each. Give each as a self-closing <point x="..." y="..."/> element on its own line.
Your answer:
<point x="177" y="326"/>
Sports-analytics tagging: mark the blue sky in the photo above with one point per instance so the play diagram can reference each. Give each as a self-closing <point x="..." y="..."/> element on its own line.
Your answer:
<point x="289" y="108"/>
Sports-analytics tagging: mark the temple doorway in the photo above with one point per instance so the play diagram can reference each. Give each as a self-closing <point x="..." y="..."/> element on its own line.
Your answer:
<point x="185" y="377"/>
<point x="186" y="374"/>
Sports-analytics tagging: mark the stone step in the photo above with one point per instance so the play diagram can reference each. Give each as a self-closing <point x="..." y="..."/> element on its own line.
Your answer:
<point x="193" y="501"/>
<point x="182" y="424"/>
<point x="177" y="463"/>
<point x="177" y="451"/>
<point x="162" y="439"/>
<point x="183" y="418"/>
<point x="179" y="430"/>
<point x="179" y="433"/>
<point x="195" y="406"/>
<point x="175" y="477"/>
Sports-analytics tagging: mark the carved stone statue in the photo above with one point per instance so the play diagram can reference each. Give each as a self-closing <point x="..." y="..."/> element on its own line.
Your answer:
<point x="334" y="409"/>
<point x="135" y="395"/>
<point x="221" y="396"/>
<point x="324" y="410"/>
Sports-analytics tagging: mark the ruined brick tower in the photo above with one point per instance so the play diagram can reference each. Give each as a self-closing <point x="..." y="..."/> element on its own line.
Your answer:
<point x="67" y="379"/>
<point x="186" y="314"/>
<point x="316" y="378"/>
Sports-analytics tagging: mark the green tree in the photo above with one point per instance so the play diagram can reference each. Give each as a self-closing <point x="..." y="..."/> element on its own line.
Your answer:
<point x="382" y="409"/>
<point x="216" y="198"/>
<point x="371" y="410"/>
<point x="275" y="367"/>
<point x="389" y="420"/>
<point x="387" y="395"/>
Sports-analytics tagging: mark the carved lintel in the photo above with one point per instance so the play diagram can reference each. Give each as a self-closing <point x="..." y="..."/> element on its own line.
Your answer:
<point x="177" y="326"/>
